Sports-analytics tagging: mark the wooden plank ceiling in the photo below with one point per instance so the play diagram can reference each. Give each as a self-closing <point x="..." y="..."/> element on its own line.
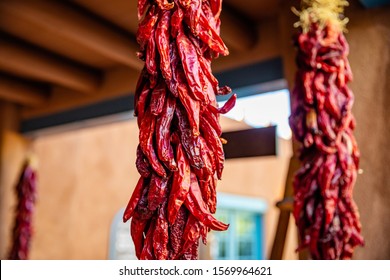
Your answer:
<point x="48" y="47"/>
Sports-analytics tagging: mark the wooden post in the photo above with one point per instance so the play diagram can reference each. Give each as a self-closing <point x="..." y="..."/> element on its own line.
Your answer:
<point x="13" y="148"/>
<point x="286" y="31"/>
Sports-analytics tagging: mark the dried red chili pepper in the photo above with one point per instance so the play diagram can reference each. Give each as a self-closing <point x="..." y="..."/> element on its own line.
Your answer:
<point x="180" y="155"/>
<point x="26" y="196"/>
<point x="321" y="120"/>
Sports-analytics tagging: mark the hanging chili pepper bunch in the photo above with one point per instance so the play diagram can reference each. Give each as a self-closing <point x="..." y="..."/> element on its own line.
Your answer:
<point x="22" y="231"/>
<point x="180" y="155"/>
<point x="321" y="120"/>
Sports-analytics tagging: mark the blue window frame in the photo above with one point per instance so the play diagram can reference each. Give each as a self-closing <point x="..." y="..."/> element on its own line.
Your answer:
<point x="244" y="240"/>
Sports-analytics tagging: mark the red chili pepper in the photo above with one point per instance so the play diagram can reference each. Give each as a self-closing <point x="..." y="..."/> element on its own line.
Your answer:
<point x="157" y="98"/>
<point x="147" y="250"/>
<point x="141" y="102"/>
<point x="228" y="105"/>
<point x="151" y="60"/>
<point x="146" y="142"/>
<point x="162" y="39"/>
<point x="176" y="21"/>
<point x="189" y="58"/>
<point x="137" y="228"/>
<point x="158" y="192"/>
<point x="135" y="197"/>
<point x="212" y="138"/>
<point x="161" y="235"/>
<point x="177" y="230"/>
<point x="146" y="26"/>
<point x="216" y="7"/>
<point x="139" y="88"/>
<point x="191" y="106"/>
<point x="191" y="233"/>
<point x="142" y="164"/>
<point x="164" y="147"/>
<point x="197" y="207"/>
<point x="180" y="185"/>
<point x="189" y="141"/>
<point x="212" y="39"/>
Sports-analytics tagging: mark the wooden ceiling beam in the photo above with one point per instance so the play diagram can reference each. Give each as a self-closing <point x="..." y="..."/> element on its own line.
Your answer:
<point x="117" y="82"/>
<point x="18" y="92"/>
<point x="74" y="25"/>
<point x="26" y="62"/>
<point x="237" y="32"/>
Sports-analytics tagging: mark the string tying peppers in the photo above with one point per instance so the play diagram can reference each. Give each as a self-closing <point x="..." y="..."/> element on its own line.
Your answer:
<point x="321" y="120"/>
<point x="22" y="230"/>
<point x="180" y="155"/>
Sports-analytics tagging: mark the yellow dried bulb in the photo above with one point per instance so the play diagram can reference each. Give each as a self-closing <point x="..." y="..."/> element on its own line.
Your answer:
<point x="322" y="12"/>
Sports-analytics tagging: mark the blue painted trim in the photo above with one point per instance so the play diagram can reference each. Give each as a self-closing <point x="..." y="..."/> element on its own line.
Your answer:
<point x="261" y="237"/>
<point x="253" y="74"/>
<point x="374" y="3"/>
<point x="237" y="202"/>
<point x="104" y="108"/>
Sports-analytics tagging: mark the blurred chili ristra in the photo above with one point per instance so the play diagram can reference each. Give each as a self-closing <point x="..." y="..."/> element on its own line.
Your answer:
<point x="180" y="155"/>
<point x="22" y="230"/>
<point x="321" y="120"/>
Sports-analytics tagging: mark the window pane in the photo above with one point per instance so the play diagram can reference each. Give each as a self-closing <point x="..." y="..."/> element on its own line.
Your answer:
<point x="241" y="240"/>
<point x="222" y="250"/>
<point x="245" y="224"/>
<point x="245" y="248"/>
<point x="262" y="110"/>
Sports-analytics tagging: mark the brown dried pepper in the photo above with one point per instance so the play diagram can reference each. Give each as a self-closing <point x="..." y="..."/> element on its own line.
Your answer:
<point x="322" y="121"/>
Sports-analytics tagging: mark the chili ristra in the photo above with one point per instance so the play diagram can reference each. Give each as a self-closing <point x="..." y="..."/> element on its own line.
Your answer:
<point x="22" y="230"/>
<point x="180" y="155"/>
<point x="321" y="120"/>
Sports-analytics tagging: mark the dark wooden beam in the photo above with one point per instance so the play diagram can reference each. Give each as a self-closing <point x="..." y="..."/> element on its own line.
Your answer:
<point x="237" y="32"/>
<point x="17" y="91"/>
<point x="23" y="61"/>
<point x="74" y="25"/>
<point x="250" y="143"/>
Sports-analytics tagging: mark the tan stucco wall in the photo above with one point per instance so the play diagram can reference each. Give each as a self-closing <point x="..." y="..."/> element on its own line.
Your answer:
<point x="369" y="39"/>
<point x="86" y="176"/>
